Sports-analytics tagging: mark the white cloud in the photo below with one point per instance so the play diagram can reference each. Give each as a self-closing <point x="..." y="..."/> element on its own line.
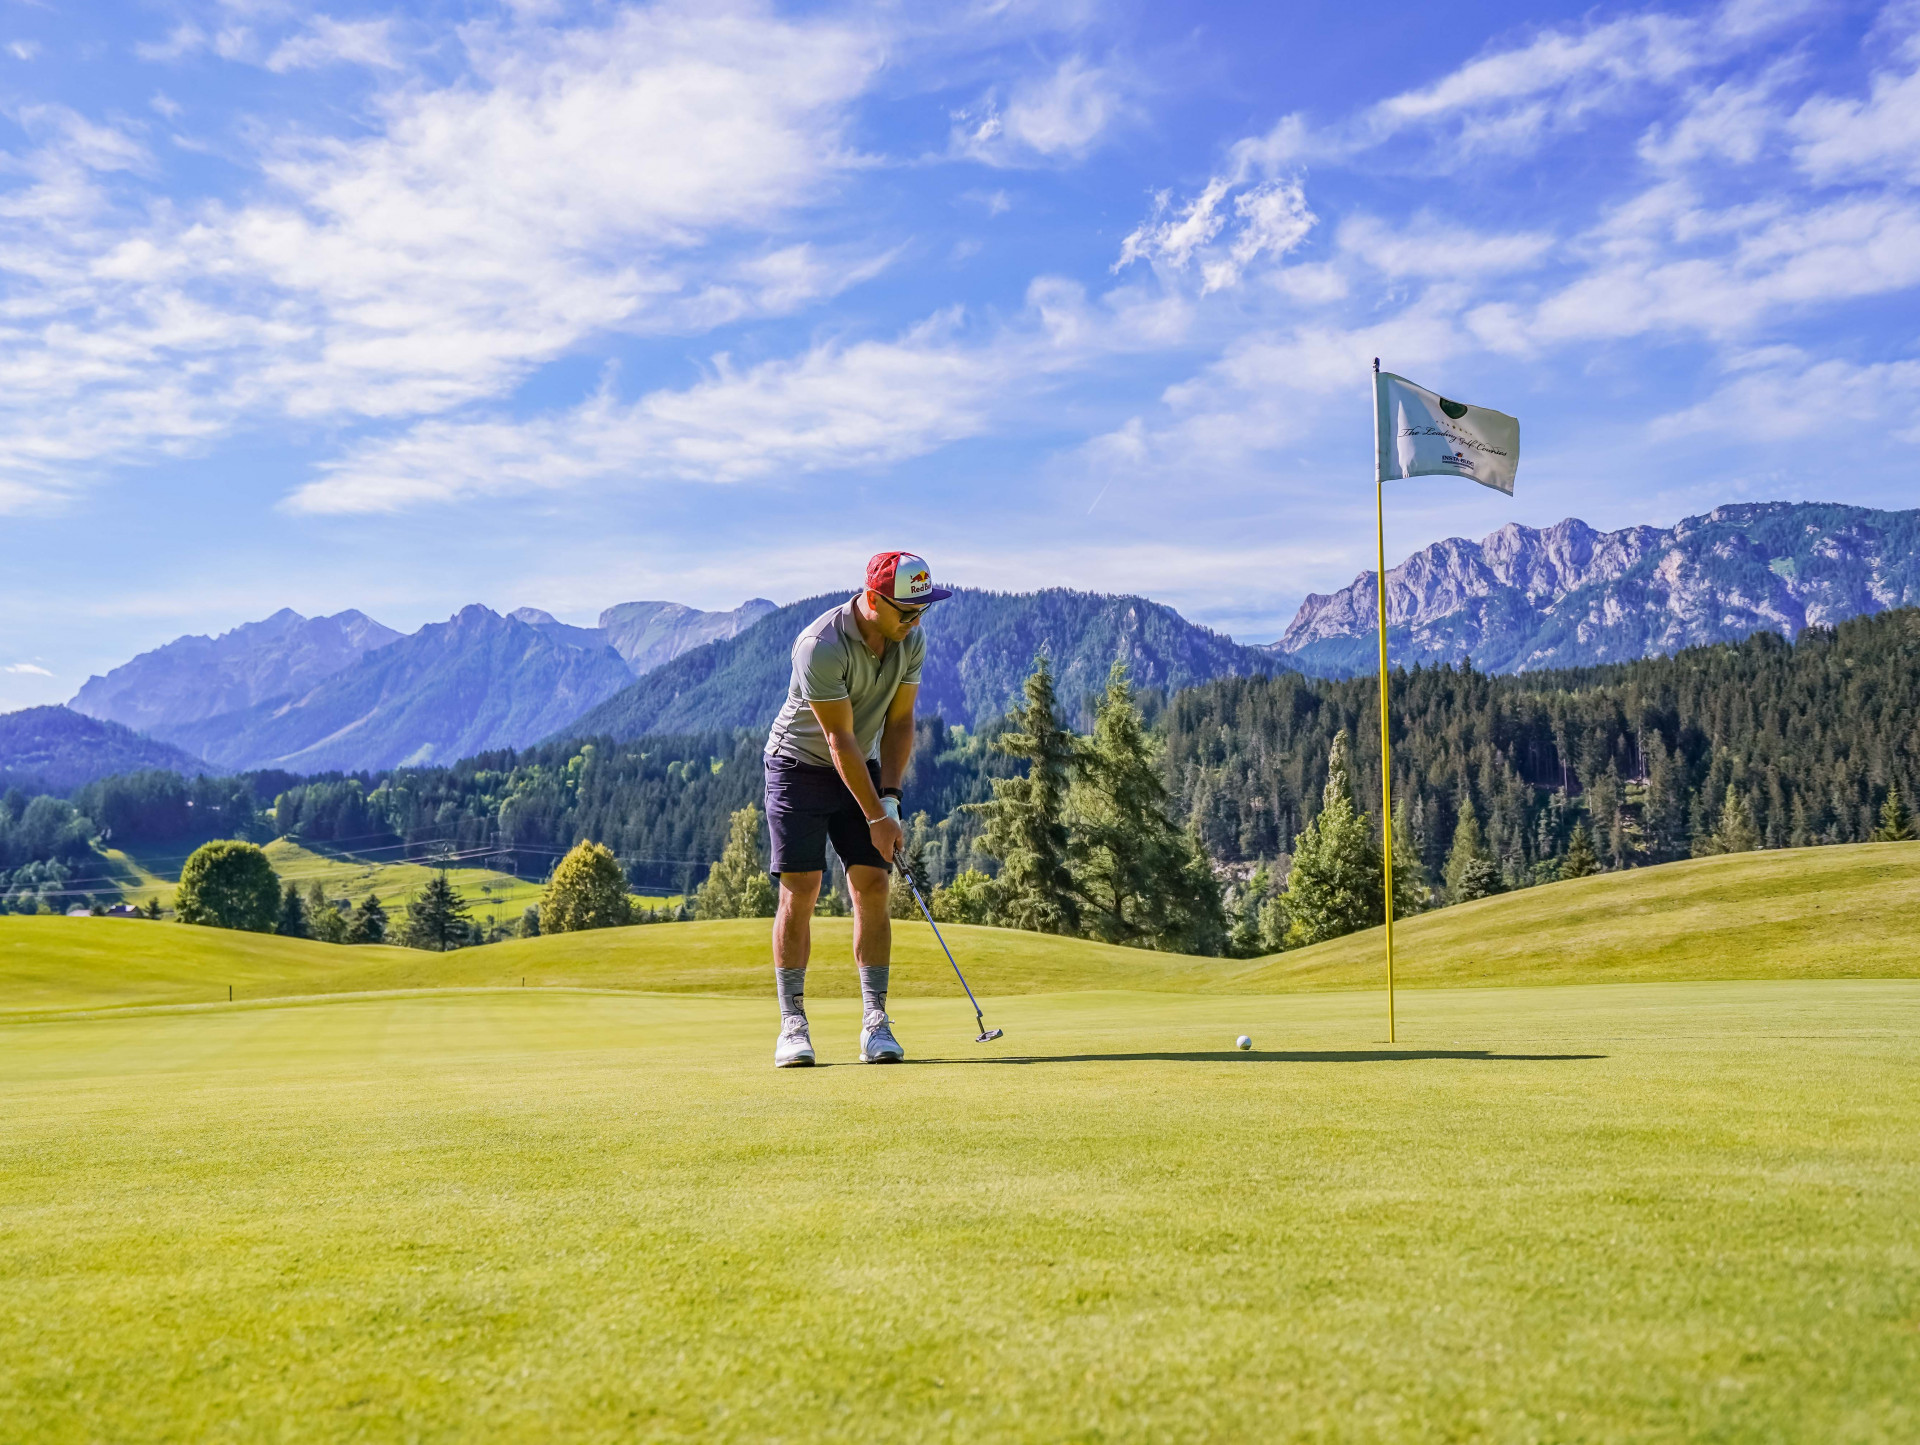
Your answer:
<point x="837" y="406"/>
<point x="1840" y="138"/>
<point x="1427" y="245"/>
<point x="27" y="668"/>
<point x="634" y="176"/>
<point x="327" y="41"/>
<point x="1055" y="117"/>
<point x="1267" y="219"/>
<point x="1786" y="397"/>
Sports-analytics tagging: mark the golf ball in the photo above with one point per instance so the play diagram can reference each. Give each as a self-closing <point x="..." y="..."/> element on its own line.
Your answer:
<point x="1243" y="1042"/>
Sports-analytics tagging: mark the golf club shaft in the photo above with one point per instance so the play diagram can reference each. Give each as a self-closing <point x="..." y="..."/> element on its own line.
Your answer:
<point x="927" y="913"/>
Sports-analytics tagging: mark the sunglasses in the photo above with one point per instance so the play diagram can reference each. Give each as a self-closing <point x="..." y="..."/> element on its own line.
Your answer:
<point x="903" y="611"/>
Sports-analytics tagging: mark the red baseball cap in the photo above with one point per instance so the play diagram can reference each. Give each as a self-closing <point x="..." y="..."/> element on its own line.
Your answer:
<point x="904" y="578"/>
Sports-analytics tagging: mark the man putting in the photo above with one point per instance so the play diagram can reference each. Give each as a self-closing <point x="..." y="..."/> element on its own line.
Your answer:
<point x="835" y="758"/>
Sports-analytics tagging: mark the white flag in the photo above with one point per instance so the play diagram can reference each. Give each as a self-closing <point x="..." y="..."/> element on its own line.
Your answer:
<point x="1423" y="434"/>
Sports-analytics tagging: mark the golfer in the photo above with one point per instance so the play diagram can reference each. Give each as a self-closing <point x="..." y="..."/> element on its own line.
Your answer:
<point x="835" y="759"/>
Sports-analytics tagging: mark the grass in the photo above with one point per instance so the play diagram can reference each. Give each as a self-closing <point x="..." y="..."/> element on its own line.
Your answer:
<point x="1843" y="912"/>
<point x="382" y="1197"/>
<point x="1662" y="1212"/>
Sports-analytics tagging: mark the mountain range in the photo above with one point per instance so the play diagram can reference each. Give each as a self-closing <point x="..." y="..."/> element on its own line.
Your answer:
<point x="345" y="692"/>
<point x="980" y="648"/>
<point x="1527" y="598"/>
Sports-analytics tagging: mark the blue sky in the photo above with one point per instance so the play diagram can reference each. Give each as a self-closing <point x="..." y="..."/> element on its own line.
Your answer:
<point x="564" y="304"/>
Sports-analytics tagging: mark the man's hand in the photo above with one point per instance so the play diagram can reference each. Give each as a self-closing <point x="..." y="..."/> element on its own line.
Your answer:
<point x="888" y="837"/>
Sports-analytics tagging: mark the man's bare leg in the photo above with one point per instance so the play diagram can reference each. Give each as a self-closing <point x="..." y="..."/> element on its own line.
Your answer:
<point x="792" y="945"/>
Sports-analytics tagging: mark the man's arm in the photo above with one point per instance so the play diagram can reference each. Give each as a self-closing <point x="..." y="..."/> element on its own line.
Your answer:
<point x="896" y="738"/>
<point x="836" y="721"/>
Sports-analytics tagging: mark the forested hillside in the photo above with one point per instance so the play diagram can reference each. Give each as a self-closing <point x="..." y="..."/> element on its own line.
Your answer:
<point x="1811" y="735"/>
<point x="980" y="647"/>
<point x="54" y="749"/>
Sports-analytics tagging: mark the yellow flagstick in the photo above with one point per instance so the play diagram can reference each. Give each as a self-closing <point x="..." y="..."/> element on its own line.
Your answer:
<point x="1386" y="754"/>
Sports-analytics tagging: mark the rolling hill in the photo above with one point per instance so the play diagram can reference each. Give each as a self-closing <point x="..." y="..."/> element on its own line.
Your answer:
<point x="1818" y="913"/>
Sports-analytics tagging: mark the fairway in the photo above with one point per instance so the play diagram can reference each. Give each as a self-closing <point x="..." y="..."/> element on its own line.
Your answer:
<point x="1667" y="1211"/>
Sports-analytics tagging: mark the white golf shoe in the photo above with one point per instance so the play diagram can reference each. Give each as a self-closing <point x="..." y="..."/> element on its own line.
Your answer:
<point x="877" y="1043"/>
<point x="795" y="1048"/>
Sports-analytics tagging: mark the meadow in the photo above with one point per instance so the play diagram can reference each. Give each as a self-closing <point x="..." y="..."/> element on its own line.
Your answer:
<point x="1655" y="1189"/>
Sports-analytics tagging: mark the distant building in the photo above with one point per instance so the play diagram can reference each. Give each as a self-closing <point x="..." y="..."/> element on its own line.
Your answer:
<point x="124" y="910"/>
<point x="79" y="910"/>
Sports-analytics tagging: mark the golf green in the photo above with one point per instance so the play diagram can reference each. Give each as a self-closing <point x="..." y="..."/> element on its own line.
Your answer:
<point x="1676" y="1211"/>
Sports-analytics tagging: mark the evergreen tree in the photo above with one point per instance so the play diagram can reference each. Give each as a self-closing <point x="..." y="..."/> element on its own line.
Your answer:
<point x="1026" y="827"/>
<point x="1895" y="825"/>
<point x="437" y="917"/>
<point x="153" y="906"/>
<point x="228" y="884"/>
<point x="1334" y="887"/>
<point x="1736" y="832"/>
<point x="1580" y="860"/>
<point x="1411" y="888"/>
<point x="738" y="886"/>
<point x="1141" y="880"/>
<point x="369" y="922"/>
<point x="530" y="921"/>
<point x="1471" y="872"/>
<point x="292" y="922"/>
<point x="1244" y="905"/>
<point x="587" y="890"/>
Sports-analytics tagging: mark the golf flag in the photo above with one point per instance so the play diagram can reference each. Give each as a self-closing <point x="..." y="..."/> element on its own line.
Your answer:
<point x="1422" y="434"/>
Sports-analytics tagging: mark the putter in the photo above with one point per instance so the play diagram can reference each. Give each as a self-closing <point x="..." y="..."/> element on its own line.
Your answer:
<point x="987" y="1035"/>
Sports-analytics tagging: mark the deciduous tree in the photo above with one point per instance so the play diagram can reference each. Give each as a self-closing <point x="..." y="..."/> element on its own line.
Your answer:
<point x="587" y="890"/>
<point x="228" y="884"/>
<point x="738" y="885"/>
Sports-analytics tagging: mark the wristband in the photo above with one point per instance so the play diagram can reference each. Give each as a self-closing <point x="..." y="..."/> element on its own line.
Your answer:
<point x="892" y="793"/>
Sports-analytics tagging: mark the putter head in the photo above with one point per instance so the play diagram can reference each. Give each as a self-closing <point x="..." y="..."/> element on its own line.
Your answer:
<point x="989" y="1036"/>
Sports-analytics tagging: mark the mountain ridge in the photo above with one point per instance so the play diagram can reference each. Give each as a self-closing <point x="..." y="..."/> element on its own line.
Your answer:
<point x="980" y="647"/>
<point x="1524" y="598"/>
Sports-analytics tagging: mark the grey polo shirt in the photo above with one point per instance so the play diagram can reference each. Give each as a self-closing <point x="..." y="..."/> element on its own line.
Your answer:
<point x="830" y="662"/>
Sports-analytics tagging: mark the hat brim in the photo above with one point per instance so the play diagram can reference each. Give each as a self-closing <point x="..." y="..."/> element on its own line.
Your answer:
<point x="936" y="594"/>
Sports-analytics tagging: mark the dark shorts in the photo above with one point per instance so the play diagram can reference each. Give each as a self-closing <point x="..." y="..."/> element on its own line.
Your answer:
<point x="808" y="805"/>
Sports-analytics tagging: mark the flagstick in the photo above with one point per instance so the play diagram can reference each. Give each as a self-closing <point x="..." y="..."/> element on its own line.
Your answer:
<point x="1386" y="753"/>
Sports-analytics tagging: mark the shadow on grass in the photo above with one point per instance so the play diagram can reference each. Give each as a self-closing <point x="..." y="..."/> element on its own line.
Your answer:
<point x="1234" y="1056"/>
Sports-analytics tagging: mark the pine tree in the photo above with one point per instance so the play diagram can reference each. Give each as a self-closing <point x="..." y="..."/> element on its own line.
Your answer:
<point x="1895" y="825"/>
<point x="1026" y="825"/>
<point x="1335" y="884"/>
<point x="738" y="886"/>
<point x="437" y="917"/>
<point x="1580" y="860"/>
<point x="1471" y="872"/>
<point x="1411" y="888"/>
<point x="292" y="922"/>
<point x="369" y="922"/>
<point x="153" y="906"/>
<point x="1141" y="880"/>
<point x="587" y="890"/>
<point x="1736" y="832"/>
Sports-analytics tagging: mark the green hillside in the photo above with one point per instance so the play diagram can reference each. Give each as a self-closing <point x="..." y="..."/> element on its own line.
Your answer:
<point x="1840" y="912"/>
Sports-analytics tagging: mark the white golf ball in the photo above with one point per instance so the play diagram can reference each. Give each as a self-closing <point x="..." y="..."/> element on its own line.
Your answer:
<point x="1243" y="1043"/>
